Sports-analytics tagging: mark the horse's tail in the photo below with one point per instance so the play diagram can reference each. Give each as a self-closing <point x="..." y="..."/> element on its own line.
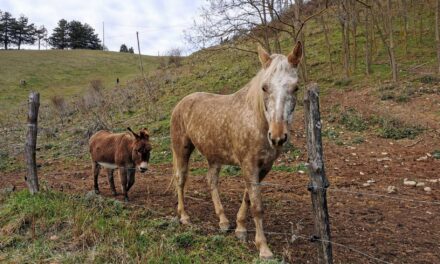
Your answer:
<point x="173" y="179"/>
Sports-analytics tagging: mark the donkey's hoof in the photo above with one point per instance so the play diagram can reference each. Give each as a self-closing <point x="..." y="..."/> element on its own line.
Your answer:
<point x="266" y="254"/>
<point x="224" y="227"/>
<point x="97" y="191"/>
<point x="241" y="235"/>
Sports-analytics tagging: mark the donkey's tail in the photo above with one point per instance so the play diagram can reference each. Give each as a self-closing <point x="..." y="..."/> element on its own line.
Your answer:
<point x="173" y="179"/>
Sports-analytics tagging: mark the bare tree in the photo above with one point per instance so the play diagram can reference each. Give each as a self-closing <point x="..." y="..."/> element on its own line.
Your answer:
<point x="344" y="18"/>
<point x="367" y="40"/>
<point x="326" y="37"/>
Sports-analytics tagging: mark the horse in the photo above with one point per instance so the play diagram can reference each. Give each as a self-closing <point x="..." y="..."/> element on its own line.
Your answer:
<point x="246" y="128"/>
<point x="126" y="152"/>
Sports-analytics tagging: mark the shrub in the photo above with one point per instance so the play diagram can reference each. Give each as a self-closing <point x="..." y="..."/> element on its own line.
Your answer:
<point x="395" y="129"/>
<point x="353" y="121"/>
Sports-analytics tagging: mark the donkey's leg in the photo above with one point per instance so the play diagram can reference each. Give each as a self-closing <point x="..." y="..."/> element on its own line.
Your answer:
<point x="95" y="169"/>
<point x="123" y="177"/>
<point x="241" y="231"/>
<point x="111" y="181"/>
<point x="131" y="177"/>
<point x="181" y="153"/>
<point x="212" y="177"/>
<point x="254" y="190"/>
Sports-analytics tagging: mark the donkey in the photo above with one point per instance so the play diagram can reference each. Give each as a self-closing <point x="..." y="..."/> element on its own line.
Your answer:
<point x="126" y="152"/>
<point x="247" y="128"/>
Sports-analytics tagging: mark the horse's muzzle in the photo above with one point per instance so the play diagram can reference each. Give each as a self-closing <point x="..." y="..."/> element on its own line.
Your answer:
<point x="277" y="141"/>
<point x="143" y="170"/>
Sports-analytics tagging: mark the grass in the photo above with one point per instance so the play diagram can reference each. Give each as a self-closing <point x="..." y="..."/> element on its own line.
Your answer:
<point x="57" y="227"/>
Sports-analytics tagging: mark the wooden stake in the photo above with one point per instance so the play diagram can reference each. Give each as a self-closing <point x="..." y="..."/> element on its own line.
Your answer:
<point x="318" y="181"/>
<point x="31" y="143"/>
<point x="140" y="58"/>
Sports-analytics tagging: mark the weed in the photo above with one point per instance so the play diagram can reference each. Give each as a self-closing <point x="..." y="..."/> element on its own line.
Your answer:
<point x="395" y="129"/>
<point x="353" y="121"/>
<point x="343" y="82"/>
<point x="358" y="140"/>
<point x="427" y="79"/>
<point x="436" y="154"/>
<point x="229" y="170"/>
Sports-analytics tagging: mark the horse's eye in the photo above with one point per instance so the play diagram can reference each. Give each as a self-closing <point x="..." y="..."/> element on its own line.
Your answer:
<point x="264" y="88"/>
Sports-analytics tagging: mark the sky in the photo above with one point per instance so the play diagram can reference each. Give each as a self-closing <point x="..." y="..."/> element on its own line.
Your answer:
<point x="160" y="23"/>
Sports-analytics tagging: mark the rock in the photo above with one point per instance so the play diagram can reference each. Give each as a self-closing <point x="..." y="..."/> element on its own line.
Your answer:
<point x="353" y="154"/>
<point x="427" y="189"/>
<point x="424" y="158"/>
<point x="384" y="153"/>
<point x="53" y="237"/>
<point x="301" y="172"/>
<point x="371" y="181"/>
<point x="409" y="183"/>
<point x="384" y="159"/>
<point x="420" y="184"/>
<point x="391" y="189"/>
<point x="433" y="181"/>
<point x="361" y="173"/>
<point x="366" y="184"/>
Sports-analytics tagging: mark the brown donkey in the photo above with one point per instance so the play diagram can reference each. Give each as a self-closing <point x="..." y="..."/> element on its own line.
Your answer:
<point x="246" y="128"/>
<point x="126" y="152"/>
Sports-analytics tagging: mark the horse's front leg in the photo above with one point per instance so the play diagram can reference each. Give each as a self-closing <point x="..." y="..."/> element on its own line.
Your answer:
<point x="254" y="190"/>
<point x="212" y="178"/>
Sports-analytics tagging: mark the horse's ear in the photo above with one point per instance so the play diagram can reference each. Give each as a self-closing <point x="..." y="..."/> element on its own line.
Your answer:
<point x="144" y="133"/>
<point x="295" y="56"/>
<point x="264" y="57"/>
<point x="134" y="134"/>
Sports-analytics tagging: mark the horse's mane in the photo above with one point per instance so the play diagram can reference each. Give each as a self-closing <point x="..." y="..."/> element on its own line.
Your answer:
<point x="255" y="94"/>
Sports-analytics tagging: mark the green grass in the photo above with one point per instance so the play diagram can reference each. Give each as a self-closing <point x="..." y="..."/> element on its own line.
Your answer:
<point x="63" y="72"/>
<point x="56" y="227"/>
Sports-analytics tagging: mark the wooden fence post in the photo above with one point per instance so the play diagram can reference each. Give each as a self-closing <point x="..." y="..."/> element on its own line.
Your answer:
<point x="318" y="181"/>
<point x="31" y="143"/>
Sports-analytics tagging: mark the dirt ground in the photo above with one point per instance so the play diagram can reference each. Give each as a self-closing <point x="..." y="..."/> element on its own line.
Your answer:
<point x="396" y="230"/>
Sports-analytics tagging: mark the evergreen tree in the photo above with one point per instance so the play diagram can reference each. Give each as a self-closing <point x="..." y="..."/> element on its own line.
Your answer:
<point x="23" y="32"/>
<point x="123" y="48"/>
<point x="92" y="40"/>
<point x="131" y="50"/>
<point x="7" y="23"/>
<point x="59" y="38"/>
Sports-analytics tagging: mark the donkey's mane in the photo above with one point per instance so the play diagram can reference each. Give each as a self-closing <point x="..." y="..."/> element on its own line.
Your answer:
<point x="255" y="94"/>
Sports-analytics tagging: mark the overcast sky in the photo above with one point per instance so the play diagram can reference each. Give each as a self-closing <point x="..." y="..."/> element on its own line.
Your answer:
<point x="160" y="23"/>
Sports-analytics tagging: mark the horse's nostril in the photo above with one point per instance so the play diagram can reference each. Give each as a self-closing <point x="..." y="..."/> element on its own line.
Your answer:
<point x="274" y="142"/>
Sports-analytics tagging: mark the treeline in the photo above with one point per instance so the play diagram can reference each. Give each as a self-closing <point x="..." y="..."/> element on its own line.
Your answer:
<point x="363" y="26"/>
<point x="72" y="35"/>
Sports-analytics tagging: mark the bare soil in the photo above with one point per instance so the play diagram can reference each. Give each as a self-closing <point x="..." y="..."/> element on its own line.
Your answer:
<point x="396" y="230"/>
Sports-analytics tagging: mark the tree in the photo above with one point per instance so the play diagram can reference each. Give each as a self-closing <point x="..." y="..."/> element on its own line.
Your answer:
<point x="77" y="35"/>
<point x="7" y="23"/>
<point x="131" y="50"/>
<point x="59" y="37"/>
<point x="91" y="38"/>
<point x="437" y="33"/>
<point x="23" y="32"/>
<point x="123" y="48"/>
<point x="41" y="33"/>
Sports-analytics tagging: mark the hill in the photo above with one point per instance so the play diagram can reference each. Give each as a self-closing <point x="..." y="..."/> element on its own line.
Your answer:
<point x="62" y="72"/>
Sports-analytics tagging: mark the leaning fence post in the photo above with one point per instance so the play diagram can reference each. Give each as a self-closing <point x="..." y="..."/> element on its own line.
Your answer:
<point x="31" y="143"/>
<point x="318" y="181"/>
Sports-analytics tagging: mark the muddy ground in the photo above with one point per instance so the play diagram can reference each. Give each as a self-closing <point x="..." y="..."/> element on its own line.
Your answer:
<point x="393" y="228"/>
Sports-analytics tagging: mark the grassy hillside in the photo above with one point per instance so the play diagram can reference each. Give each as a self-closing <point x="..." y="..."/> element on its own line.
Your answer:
<point x="62" y="72"/>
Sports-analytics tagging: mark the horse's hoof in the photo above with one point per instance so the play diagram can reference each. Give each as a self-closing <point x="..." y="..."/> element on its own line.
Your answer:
<point x="224" y="227"/>
<point x="241" y="235"/>
<point x="185" y="221"/>
<point x="97" y="191"/>
<point x="266" y="254"/>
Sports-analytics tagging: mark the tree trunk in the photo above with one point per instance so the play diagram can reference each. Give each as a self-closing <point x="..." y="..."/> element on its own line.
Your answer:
<point x="367" y="42"/>
<point x="31" y="143"/>
<point x="405" y="25"/>
<point x="327" y="42"/>
<point x="354" y="20"/>
<point x="391" y="40"/>
<point x="277" y="44"/>
<point x="437" y="33"/>
<point x="301" y="37"/>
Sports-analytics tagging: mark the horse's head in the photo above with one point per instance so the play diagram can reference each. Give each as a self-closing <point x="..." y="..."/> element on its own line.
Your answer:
<point x="279" y="84"/>
<point x="141" y="148"/>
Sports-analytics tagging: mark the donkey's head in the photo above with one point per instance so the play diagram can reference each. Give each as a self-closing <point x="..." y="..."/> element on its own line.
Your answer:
<point x="280" y="85"/>
<point x="140" y="153"/>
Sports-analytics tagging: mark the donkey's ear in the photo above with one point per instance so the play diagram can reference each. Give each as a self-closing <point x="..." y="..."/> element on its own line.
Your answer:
<point x="144" y="133"/>
<point x="264" y="57"/>
<point x="134" y="134"/>
<point x="295" y="56"/>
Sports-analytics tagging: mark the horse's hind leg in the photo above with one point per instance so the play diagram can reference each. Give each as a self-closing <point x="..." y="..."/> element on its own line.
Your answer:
<point x="241" y="231"/>
<point x="111" y="181"/>
<point x="181" y="153"/>
<point x="95" y="169"/>
<point x="212" y="177"/>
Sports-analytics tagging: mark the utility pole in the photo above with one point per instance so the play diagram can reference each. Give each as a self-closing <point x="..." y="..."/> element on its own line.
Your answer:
<point x="140" y="58"/>
<point x="103" y="36"/>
